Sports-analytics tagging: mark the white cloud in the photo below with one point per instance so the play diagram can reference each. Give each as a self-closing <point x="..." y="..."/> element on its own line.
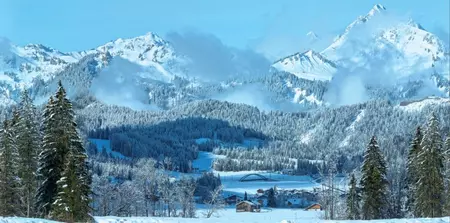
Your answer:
<point x="118" y="84"/>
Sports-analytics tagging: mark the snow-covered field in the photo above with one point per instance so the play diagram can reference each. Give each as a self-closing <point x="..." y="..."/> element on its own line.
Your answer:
<point x="103" y="144"/>
<point x="231" y="182"/>
<point x="276" y="216"/>
<point x="230" y="216"/>
<point x="232" y="185"/>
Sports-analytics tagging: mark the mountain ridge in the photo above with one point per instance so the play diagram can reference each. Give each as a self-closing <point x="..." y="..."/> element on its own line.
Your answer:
<point x="414" y="54"/>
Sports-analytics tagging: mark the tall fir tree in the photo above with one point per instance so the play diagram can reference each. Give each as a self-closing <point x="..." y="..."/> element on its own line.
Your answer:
<point x="271" y="201"/>
<point x="28" y="143"/>
<point x="72" y="201"/>
<point x="74" y="184"/>
<point x="412" y="171"/>
<point x="9" y="182"/>
<point x="430" y="184"/>
<point x="49" y="164"/>
<point x="373" y="183"/>
<point x="447" y="175"/>
<point x="62" y="146"/>
<point x="353" y="200"/>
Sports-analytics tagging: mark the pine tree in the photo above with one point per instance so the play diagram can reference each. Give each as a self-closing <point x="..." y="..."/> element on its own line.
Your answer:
<point x="430" y="184"/>
<point x="28" y="147"/>
<point x="62" y="146"/>
<point x="271" y="201"/>
<point x="447" y="175"/>
<point x="9" y="181"/>
<point x="245" y="196"/>
<point x="49" y="163"/>
<point x="412" y="168"/>
<point x="373" y="183"/>
<point x="72" y="202"/>
<point x="353" y="200"/>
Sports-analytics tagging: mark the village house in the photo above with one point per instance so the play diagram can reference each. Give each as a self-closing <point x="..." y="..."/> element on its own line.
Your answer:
<point x="233" y="199"/>
<point x="314" y="207"/>
<point x="296" y="203"/>
<point x="247" y="206"/>
<point x="261" y="200"/>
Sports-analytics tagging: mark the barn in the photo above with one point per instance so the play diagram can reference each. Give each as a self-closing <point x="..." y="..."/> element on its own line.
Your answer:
<point x="247" y="206"/>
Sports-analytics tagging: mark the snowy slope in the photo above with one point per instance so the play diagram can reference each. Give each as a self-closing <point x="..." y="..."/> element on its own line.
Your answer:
<point x="20" y="66"/>
<point x="415" y="106"/>
<point x="308" y="65"/>
<point x="148" y="50"/>
<point x="382" y="46"/>
<point x="403" y="47"/>
<point x="103" y="145"/>
<point x="389" y="48"/>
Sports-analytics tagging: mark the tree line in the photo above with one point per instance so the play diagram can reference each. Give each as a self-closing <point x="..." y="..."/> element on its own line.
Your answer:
<point x="44" y="173"/>
<point x="426" y="192"/>
<point x="174" y="132"/>
<point x="142" y="188"/>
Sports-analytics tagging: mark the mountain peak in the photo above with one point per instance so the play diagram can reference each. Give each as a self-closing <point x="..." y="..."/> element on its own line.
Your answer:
<point x="312" y="35"/>
<point x="378" y="8"/>
<point x="309" y="65"/>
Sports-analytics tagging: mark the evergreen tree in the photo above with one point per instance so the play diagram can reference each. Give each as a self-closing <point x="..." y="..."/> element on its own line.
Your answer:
<point x="72" y="201"/>
<point x="9" y="181"/>
<point x="49" y="161"/>
<point x="412" y="170"/>
<point x="353" y="199"/>
<point x="373" y="183"/>
<point x="430" y="184"/>
<point x="447" y="175"/>
<point x="245" y="196"/>
<point x="28" y="147"/>
<point x="63" y="163"/>
<point x="271" y="201"/>
<point x="74" y="184"/>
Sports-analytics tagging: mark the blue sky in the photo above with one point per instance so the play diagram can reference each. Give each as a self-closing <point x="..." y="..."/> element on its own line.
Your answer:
<point x="72" y="25"/>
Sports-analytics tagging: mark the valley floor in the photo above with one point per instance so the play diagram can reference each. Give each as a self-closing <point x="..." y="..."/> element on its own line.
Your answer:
<point x="230" y="216"/>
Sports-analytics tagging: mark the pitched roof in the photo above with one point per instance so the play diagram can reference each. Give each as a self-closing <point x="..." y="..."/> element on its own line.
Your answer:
<point x="312" y="205"/>
<point x="247" y="202"/>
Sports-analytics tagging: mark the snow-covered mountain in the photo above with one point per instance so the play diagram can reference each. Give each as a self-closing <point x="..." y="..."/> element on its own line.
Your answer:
<point x="21" y="66"/>
<point x="378" y="46"/>
<point x="312" y="36"/>
<point x="308" y="65"/>
<point x="409" y="48"/>
<point x="148" y="50"/>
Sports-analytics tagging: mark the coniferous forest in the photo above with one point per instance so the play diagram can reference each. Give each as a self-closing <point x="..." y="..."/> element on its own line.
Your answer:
<point x="397" y="161"/>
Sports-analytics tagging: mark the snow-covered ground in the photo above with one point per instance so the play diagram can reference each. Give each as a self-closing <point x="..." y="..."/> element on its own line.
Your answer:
<point x="24" y="220"/>
<point x="106" y="144"/>
<point x="418" y="105"/>
<point x="205" y="160"/>
<point x="231" y="182"/>
<point x="232" y="185"/>
<point x="230" y="215"/>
